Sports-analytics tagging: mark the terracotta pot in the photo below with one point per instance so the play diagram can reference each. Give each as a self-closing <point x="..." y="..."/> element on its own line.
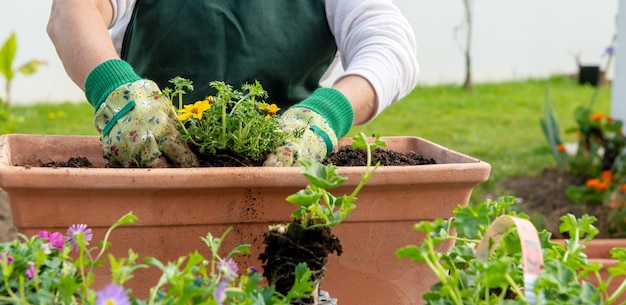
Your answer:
<point x="599" y="251"/>
<point x="176" y="207"/>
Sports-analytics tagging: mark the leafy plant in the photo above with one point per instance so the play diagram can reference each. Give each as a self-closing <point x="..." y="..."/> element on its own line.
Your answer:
<point x="317" y="206"/>
<point x="232" y="120"/>
<point x="7" y="55"/>
<point x="52" y="268"/>
<point x="466" y="278"/>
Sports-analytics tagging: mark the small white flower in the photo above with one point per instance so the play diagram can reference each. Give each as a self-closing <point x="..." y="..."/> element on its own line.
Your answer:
<point x="143" y="84"/>
<point x="146" y="135"/>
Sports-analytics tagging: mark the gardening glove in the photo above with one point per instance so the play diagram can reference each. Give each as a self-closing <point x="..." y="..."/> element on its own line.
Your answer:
<point x="137" y="125"/>
<point x="323" y="118"/>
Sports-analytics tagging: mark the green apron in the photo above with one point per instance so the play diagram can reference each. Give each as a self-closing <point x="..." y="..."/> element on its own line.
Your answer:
<point x="284" y="44"/>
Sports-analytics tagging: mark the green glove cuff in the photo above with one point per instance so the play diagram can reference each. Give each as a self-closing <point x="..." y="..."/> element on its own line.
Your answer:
<point x="105" y="78"/>
<point x="333" y="106"/>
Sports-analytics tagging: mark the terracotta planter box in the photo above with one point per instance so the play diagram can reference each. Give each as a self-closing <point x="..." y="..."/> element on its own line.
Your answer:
<point x="176" y="207"/>
<point x="599" y="251"/>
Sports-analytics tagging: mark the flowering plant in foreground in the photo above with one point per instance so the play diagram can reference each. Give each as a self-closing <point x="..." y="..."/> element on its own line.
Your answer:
<point x="56" y="268"/>
<point x="241" y="122"/>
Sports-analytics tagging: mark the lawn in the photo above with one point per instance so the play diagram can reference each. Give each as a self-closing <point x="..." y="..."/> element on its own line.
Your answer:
<point x="496" y="122"/>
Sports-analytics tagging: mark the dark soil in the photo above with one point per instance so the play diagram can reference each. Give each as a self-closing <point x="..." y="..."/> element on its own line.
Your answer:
<point x="71" y="162"/>
<point x="545" y="200"/>
<point x="344" y="156"/>
<point x="226" y="158"/>
<point x="284" y="251"/>
<point x="347" y="156"/>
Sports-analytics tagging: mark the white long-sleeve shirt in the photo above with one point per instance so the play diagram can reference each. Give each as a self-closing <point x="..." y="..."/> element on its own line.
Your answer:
<point x="374" y="41"/>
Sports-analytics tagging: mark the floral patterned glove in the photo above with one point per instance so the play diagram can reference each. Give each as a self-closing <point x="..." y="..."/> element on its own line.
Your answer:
<point x="137" y="126"/>
<point x="322" y="119"/>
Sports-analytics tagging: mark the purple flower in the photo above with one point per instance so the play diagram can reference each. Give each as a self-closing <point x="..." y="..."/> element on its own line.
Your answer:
<point x="220" y="293"/>
<point x="31" y="271"/>
<point x="74" y="230"/>
<point x="252" y="269"/>
<point x="112" y="295"/>
<point x="228" y="269"/>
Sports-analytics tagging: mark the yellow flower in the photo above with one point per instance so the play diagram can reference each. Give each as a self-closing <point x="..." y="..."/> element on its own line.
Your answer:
<point x="56" y="115"/>
<point x="273" y="109"/>
<point x="194" y="110"/>
<point x="270" y="109"/>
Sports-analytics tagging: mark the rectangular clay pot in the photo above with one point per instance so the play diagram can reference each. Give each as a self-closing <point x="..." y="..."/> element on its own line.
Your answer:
<point x="599" y="251"/>
<point x="176" y="207"/>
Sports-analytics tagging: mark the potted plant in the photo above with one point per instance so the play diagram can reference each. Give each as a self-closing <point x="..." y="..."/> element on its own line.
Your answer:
<point x="500" y="257"/>
<point x="176" y="205"/>
<point x="308" y="238"/>
<point x="232" y="128"/>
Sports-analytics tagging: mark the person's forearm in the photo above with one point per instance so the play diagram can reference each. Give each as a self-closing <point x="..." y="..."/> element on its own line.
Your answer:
<point x="78" y="30"/>
<point x="361" y="95"/>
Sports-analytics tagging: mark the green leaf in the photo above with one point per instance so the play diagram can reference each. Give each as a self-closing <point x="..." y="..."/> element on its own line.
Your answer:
<point x="411" y="252"/>
<point x="305" y="197"/>
<point x="30" y="67"/>
<point x="322" y="176"/>
<point x="470" y="222"/>
<point x="303" y="285"/>
<point x="7" y="54"/>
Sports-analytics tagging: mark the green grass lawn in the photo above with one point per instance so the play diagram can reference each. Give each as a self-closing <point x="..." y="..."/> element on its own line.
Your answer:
<point x="496" y="122"/>
<point x="46" y="118"/>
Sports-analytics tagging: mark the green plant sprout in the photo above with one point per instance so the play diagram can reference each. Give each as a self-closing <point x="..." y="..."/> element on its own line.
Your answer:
<point x="7" y="55"/>
<point x="465" y="279"/>
<point x="317" y="206"/>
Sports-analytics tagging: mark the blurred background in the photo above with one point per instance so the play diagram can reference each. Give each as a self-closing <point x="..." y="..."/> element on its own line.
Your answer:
<point x="511" y="40"/>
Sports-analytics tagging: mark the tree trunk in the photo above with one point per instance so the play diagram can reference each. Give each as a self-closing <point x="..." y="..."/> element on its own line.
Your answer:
<point x="467" y="84"/>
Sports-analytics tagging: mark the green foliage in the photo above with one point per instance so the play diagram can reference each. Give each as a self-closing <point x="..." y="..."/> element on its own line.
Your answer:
<point x="466" y="279"/>
<point x="552" y="132"/>
<point x="44" y="269"/>
<point x="232" y="120"/>
<point x="7" y="55"/>
<point x="7" y="119"/>
<point x="317" y="207"/>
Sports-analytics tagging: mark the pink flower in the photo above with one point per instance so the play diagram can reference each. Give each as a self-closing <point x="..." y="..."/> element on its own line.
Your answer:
<point x="56" y="240"/>
<point x="8" y="256"/>
<point x="44" y="234"/>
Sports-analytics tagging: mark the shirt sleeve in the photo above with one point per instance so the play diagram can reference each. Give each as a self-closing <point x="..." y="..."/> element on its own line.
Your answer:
<point x="375" y="41"/>
<point x="122" y="11"/>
